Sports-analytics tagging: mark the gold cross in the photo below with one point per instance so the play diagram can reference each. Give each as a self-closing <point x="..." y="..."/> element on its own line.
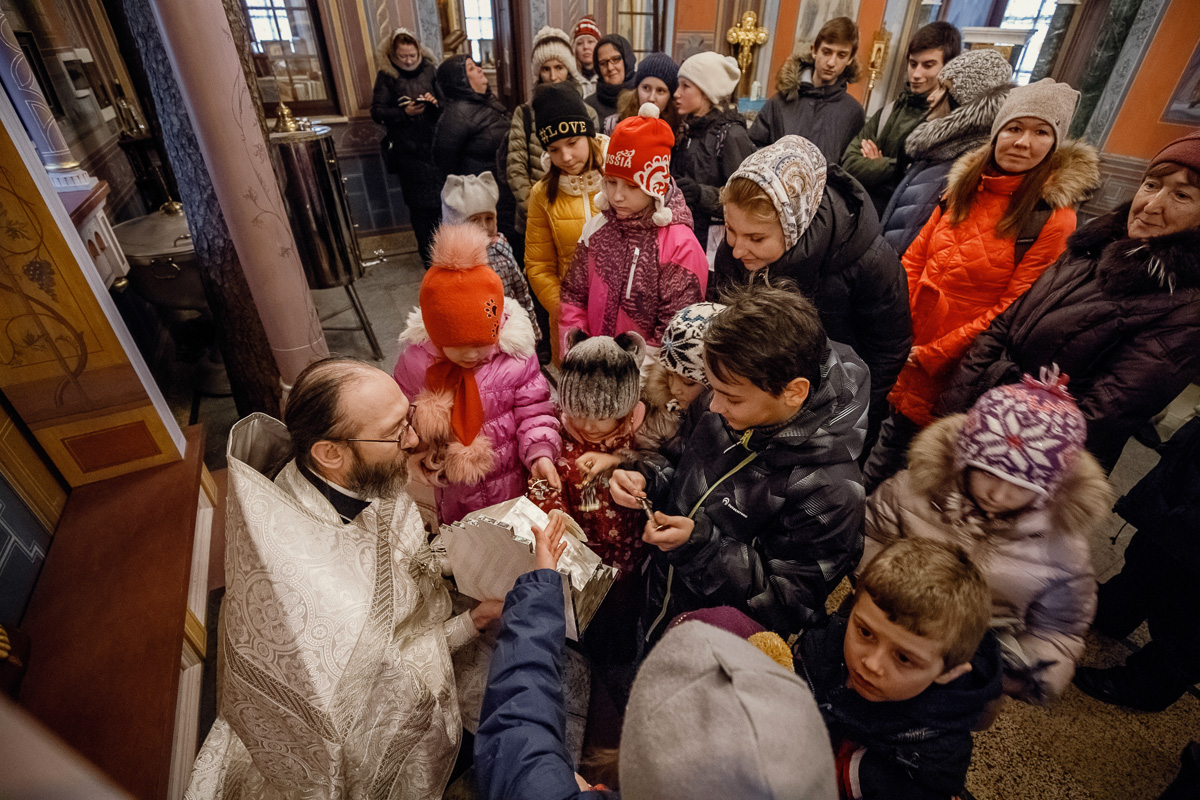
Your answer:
<point x="746" y="36"/>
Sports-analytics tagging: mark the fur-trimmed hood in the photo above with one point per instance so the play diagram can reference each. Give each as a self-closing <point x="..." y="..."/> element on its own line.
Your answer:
<point x="962" y="130"/>
<point x="791" y="75"/>
<point x="384" y="63"/>
<point x="1138" y="266"/>
<point x="516" y="332"/>
<point x="1075" y="172"/>
<point x="1079" y="503"/>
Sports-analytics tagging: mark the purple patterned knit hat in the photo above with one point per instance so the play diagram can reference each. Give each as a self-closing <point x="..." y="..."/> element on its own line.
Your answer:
<point x="1029" y="433"/>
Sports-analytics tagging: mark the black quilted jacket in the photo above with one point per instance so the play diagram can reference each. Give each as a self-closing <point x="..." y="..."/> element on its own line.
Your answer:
<point x="1120" y="316"/>
<point x="775" y="537"/>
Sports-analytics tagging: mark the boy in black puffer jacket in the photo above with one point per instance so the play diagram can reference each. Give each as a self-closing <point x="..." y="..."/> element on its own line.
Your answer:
<point x="763" y="508"/>
<point x="904" y="678"/>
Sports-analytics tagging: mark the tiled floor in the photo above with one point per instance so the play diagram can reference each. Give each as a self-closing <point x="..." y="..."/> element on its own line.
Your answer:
<point x="1079" y="750"/>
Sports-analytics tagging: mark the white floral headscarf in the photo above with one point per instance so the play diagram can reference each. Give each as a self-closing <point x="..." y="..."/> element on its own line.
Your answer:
<point x="792" y="173"/>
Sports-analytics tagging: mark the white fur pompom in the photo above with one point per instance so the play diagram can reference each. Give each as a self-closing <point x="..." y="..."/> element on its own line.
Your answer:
<point x="459" y="247"/>
<point x="648" y="110"/>
<point x="663" y="217"/>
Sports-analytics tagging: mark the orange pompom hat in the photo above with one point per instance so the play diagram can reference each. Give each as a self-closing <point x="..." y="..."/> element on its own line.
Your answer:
<point x="462" y="298"/>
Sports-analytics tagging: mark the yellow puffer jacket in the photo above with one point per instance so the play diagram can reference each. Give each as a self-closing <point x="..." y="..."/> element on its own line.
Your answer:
<point x="551" y="233"/>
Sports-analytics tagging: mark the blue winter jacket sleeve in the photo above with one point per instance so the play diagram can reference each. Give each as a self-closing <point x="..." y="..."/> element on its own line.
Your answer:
<point x="520" y="745"/>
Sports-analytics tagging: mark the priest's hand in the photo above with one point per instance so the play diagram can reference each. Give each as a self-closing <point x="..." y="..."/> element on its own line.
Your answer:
<point x="626" y="486"/>
<point x="548" y="542"/>
<point x="544" y="469"/>
<point x="486" y="615"/>
<point x="667" y="532"/>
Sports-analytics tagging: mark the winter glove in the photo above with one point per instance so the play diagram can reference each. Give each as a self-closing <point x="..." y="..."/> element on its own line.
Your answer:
<point x="690" y="190"/>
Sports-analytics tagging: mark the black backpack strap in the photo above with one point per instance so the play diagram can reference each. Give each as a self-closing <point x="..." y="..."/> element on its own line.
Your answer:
<point x="1031" y="229"/>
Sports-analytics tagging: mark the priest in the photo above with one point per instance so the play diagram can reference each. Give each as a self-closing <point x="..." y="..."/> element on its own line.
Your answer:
<point x="336" y="629"/>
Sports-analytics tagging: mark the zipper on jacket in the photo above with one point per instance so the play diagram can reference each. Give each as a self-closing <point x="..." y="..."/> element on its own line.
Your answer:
<point x="629" y="286"/>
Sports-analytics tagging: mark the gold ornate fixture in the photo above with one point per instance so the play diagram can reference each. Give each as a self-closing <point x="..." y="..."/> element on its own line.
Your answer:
<point x="745" y="36"/>
<point x="879" y="53"/>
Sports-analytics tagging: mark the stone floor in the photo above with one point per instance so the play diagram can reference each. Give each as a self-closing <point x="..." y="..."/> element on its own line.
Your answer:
<point x="1078" y="750"/>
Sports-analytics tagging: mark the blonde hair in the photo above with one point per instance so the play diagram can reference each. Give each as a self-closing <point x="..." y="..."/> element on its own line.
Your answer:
<point x="595" y="161"/>
<point x="750" y="197"/>
<point x="932" y="589"/>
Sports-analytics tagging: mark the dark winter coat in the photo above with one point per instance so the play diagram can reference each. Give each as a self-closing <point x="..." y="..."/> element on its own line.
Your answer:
<point x="826" y="115"/>
<point x="1164" y="506"/>
<point x="472" y="125"/>
<point x="853" y="276"/>
<point x="520" y="744"/>
<point x="879" y="176"/>
<point x="1120" y="316"/>
<point x="916" y="749"/>
<point x="408" y="145"/>
<point x="710" y="149"/>
<point x="776" y="536"/>
<point x="931" y="150"/>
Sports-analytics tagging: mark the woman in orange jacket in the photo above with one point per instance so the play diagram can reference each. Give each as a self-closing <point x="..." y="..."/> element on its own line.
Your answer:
<point x="1005" y="217"/>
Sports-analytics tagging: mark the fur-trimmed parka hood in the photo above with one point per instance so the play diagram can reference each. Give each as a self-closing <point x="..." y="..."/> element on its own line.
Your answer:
<point x="1075" y="172"/>
<point x="1078" y="504"/>
<point x="384" y="63"/>
<point x="791" y="76"/>
<point x="516" y="333"/>
<point x="1138" y="266"/>
<point x="962" y="130"/>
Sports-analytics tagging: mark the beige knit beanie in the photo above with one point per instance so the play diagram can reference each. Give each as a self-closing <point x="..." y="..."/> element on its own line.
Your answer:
<point x="715" y="75"/>
<point x="1047" y="100"/>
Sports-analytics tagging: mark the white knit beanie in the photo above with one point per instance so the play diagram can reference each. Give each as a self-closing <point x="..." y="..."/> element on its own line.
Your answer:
<point x="714" y="74"/>
<point x="464" y="196"/>
<point x="553" y="43"/>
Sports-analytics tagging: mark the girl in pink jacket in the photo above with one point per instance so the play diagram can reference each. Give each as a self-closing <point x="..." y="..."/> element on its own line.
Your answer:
<point x="638" y="262"/>
<point x="482" y="407"/>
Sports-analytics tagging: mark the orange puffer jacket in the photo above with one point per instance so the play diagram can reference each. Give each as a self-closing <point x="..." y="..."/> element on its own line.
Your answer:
<point x="960" y="277"/>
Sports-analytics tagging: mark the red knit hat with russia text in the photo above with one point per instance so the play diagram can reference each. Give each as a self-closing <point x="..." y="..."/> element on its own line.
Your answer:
<point x="639" y="151"/>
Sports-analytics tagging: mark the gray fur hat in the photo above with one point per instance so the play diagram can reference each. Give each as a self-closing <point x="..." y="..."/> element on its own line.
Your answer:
<point x="974" y="74"/>
<point x="601" y="376"/>
<point x="1047" y="100"/>
<point x="711" y="715"/>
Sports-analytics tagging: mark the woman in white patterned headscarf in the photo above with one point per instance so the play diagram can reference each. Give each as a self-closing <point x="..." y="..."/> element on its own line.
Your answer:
<point x="790" y="216"/>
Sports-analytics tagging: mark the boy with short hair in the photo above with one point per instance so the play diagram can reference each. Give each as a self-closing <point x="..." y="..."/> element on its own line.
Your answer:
<point x="904" y="677"/>
<point x="876" y="156"/>
<point x="811" y="99"/>
<point x="761" y="509"/>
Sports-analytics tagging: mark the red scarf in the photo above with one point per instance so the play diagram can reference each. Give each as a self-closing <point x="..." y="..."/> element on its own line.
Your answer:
<point x="466" y="416"/>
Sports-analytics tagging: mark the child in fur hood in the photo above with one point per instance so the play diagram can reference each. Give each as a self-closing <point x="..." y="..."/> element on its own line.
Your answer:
<point x="1011" y="483"/>
<point x="638" y="261"/>
<point x="483" y="408"/>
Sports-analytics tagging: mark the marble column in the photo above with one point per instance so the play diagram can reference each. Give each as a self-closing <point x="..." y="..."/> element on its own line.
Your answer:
<point x="927" y="13"/>
<point x="18" y="79"/>
<point x="1060" y="23"/>
<point x="209" y="72"/>
<point x="1121" y="15"/>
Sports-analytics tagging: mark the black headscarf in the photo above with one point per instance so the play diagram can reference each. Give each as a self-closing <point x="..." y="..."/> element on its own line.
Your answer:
<point x="608" y="92"/>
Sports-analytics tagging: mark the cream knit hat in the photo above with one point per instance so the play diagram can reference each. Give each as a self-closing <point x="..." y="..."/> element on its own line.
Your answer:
<point x="464" y="196"/>
<point x="1053" y="102"/>
<point x="715" y="75"/>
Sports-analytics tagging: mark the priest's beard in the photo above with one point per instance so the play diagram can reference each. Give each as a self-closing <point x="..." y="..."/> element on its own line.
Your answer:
<point x="379" y="478"/>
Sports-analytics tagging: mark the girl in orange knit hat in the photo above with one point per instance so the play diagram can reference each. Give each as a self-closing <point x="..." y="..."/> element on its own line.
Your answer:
<point x="482" y="407"/>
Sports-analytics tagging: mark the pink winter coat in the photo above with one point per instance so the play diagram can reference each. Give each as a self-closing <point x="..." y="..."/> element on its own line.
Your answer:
<point x="519" y="416"/>
<point x="1037" y="562"/>
<point x="633" y="275"/>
